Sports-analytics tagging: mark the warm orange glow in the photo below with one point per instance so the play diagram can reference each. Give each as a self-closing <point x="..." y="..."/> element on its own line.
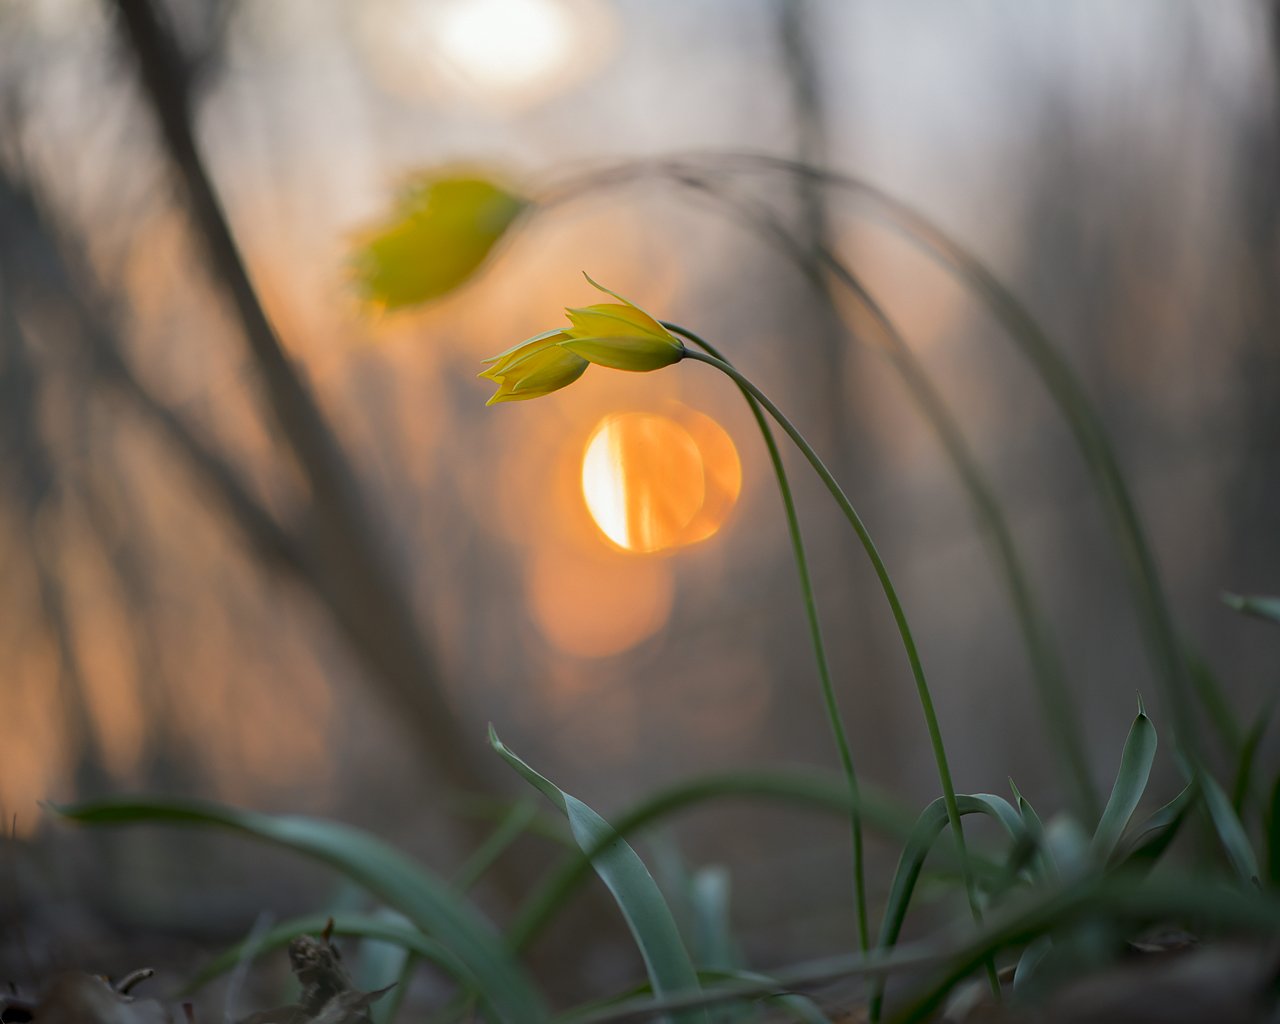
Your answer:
<point x="594" y="606"/>
<point x="653" y="483"/>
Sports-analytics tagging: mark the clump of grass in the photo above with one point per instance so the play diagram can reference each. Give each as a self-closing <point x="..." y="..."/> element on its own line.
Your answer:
<point x="1055" y="895"/>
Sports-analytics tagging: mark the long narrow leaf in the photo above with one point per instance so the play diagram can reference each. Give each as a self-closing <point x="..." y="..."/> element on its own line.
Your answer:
<point x="932" y="820"/>
<point x="1243" y="784"/>
<point x="821" y="792"/>
<point x="1147" y="841"/>
<point x="1118" y="897"/>
<point x="395" y="879"/>
<point x="1131" y="781"/>
<point x="1234" y="839"/>
<point x="1044" y="859"/>
<point x="666" y="960"/>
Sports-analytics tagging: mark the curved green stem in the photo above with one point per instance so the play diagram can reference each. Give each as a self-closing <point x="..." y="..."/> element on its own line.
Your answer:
<point x="815" y="636"/>
<point x="1067" y="392"/>
<point x="1060" y="713"/>
<point x="891" y="595"/>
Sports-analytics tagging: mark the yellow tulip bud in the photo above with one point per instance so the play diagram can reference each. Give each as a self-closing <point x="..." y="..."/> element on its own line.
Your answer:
<point x="442" y="229"/>
<point x="616" y="334"/>
<point x="620" y="335"/>
<point x="533" y="368"/>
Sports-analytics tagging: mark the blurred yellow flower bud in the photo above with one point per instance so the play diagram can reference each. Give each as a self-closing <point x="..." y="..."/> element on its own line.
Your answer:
<point x="533" y="368"/>
<point x="441" y="230"/>
<point x="620" y="335"/>
<point x="616" y="334"/>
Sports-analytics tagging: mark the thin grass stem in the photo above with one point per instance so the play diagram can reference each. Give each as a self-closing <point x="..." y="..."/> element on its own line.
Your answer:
<point x="1068" y="393"/>
<point x="815" y="635"/>
<point x="895" y="605"/>
<point x="1059" y="710"/>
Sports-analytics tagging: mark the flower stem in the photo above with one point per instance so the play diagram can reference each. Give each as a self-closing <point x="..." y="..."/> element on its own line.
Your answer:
<point x="815" y="635"/>
<point x="891" y="595"/>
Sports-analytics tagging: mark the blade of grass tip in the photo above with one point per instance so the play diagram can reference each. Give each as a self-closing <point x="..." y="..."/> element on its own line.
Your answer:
<point x="1234" y="839"/>
<point x="1258" y="606"/>
<point x="929" y="826"/>
<point x="834" y="718"/>
<point x="647" y="915"/>
<point x="369" y="926"/>
<point x="1035" y="831"/>
<point x="1131" y="782"/>
<point x="391" y="876"/>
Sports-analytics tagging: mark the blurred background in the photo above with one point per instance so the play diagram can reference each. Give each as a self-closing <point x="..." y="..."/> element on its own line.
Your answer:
<point x="305" y="577"/>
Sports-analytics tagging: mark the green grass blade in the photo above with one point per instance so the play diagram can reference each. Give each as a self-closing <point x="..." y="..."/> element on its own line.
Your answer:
<point x="1123" y="898"/>
<point x="1231" y="833"/>
<point x="1147" y="841"/>
<point x="646" y="912"/>
<point x="929" y="826"/>
<point x="391" y="876"/>
<point x="1216" y="703"/>
<point x="1258" y="606"/>
<point x="820" y="792"/>
<point x="1243" y="784"/>
<point x="1024" y="975"/>
<point x="1131" y="781"/>
<point x="713" y="931"/>
<point x="1044" y="859"/>
<point x="794" y="1007"/>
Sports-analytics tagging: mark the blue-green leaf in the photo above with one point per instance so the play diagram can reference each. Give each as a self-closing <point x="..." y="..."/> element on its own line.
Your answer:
<point x="932" y="820"/>
<point x="1044" y="859"/>
<point x="1230" y="832"/>
<point x="391" y="876"/>
<point x="652" y="925"/>
<point x="1145" y="842"/>
<point x="1131" y="781"/>
<point x="1258" y="606"/>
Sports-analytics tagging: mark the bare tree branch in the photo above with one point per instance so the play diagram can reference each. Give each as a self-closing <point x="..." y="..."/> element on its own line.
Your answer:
<point x="351" y="570"/>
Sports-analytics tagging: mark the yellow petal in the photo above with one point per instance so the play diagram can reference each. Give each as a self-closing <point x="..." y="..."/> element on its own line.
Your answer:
<point x="635" y="353"/>
<point x="612" y="319"/>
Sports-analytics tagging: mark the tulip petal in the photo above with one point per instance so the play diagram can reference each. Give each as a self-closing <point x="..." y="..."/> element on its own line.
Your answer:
<point x="633" y="354"/>
<point x="527" y="343"/>
<point x="613" y="319"/>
